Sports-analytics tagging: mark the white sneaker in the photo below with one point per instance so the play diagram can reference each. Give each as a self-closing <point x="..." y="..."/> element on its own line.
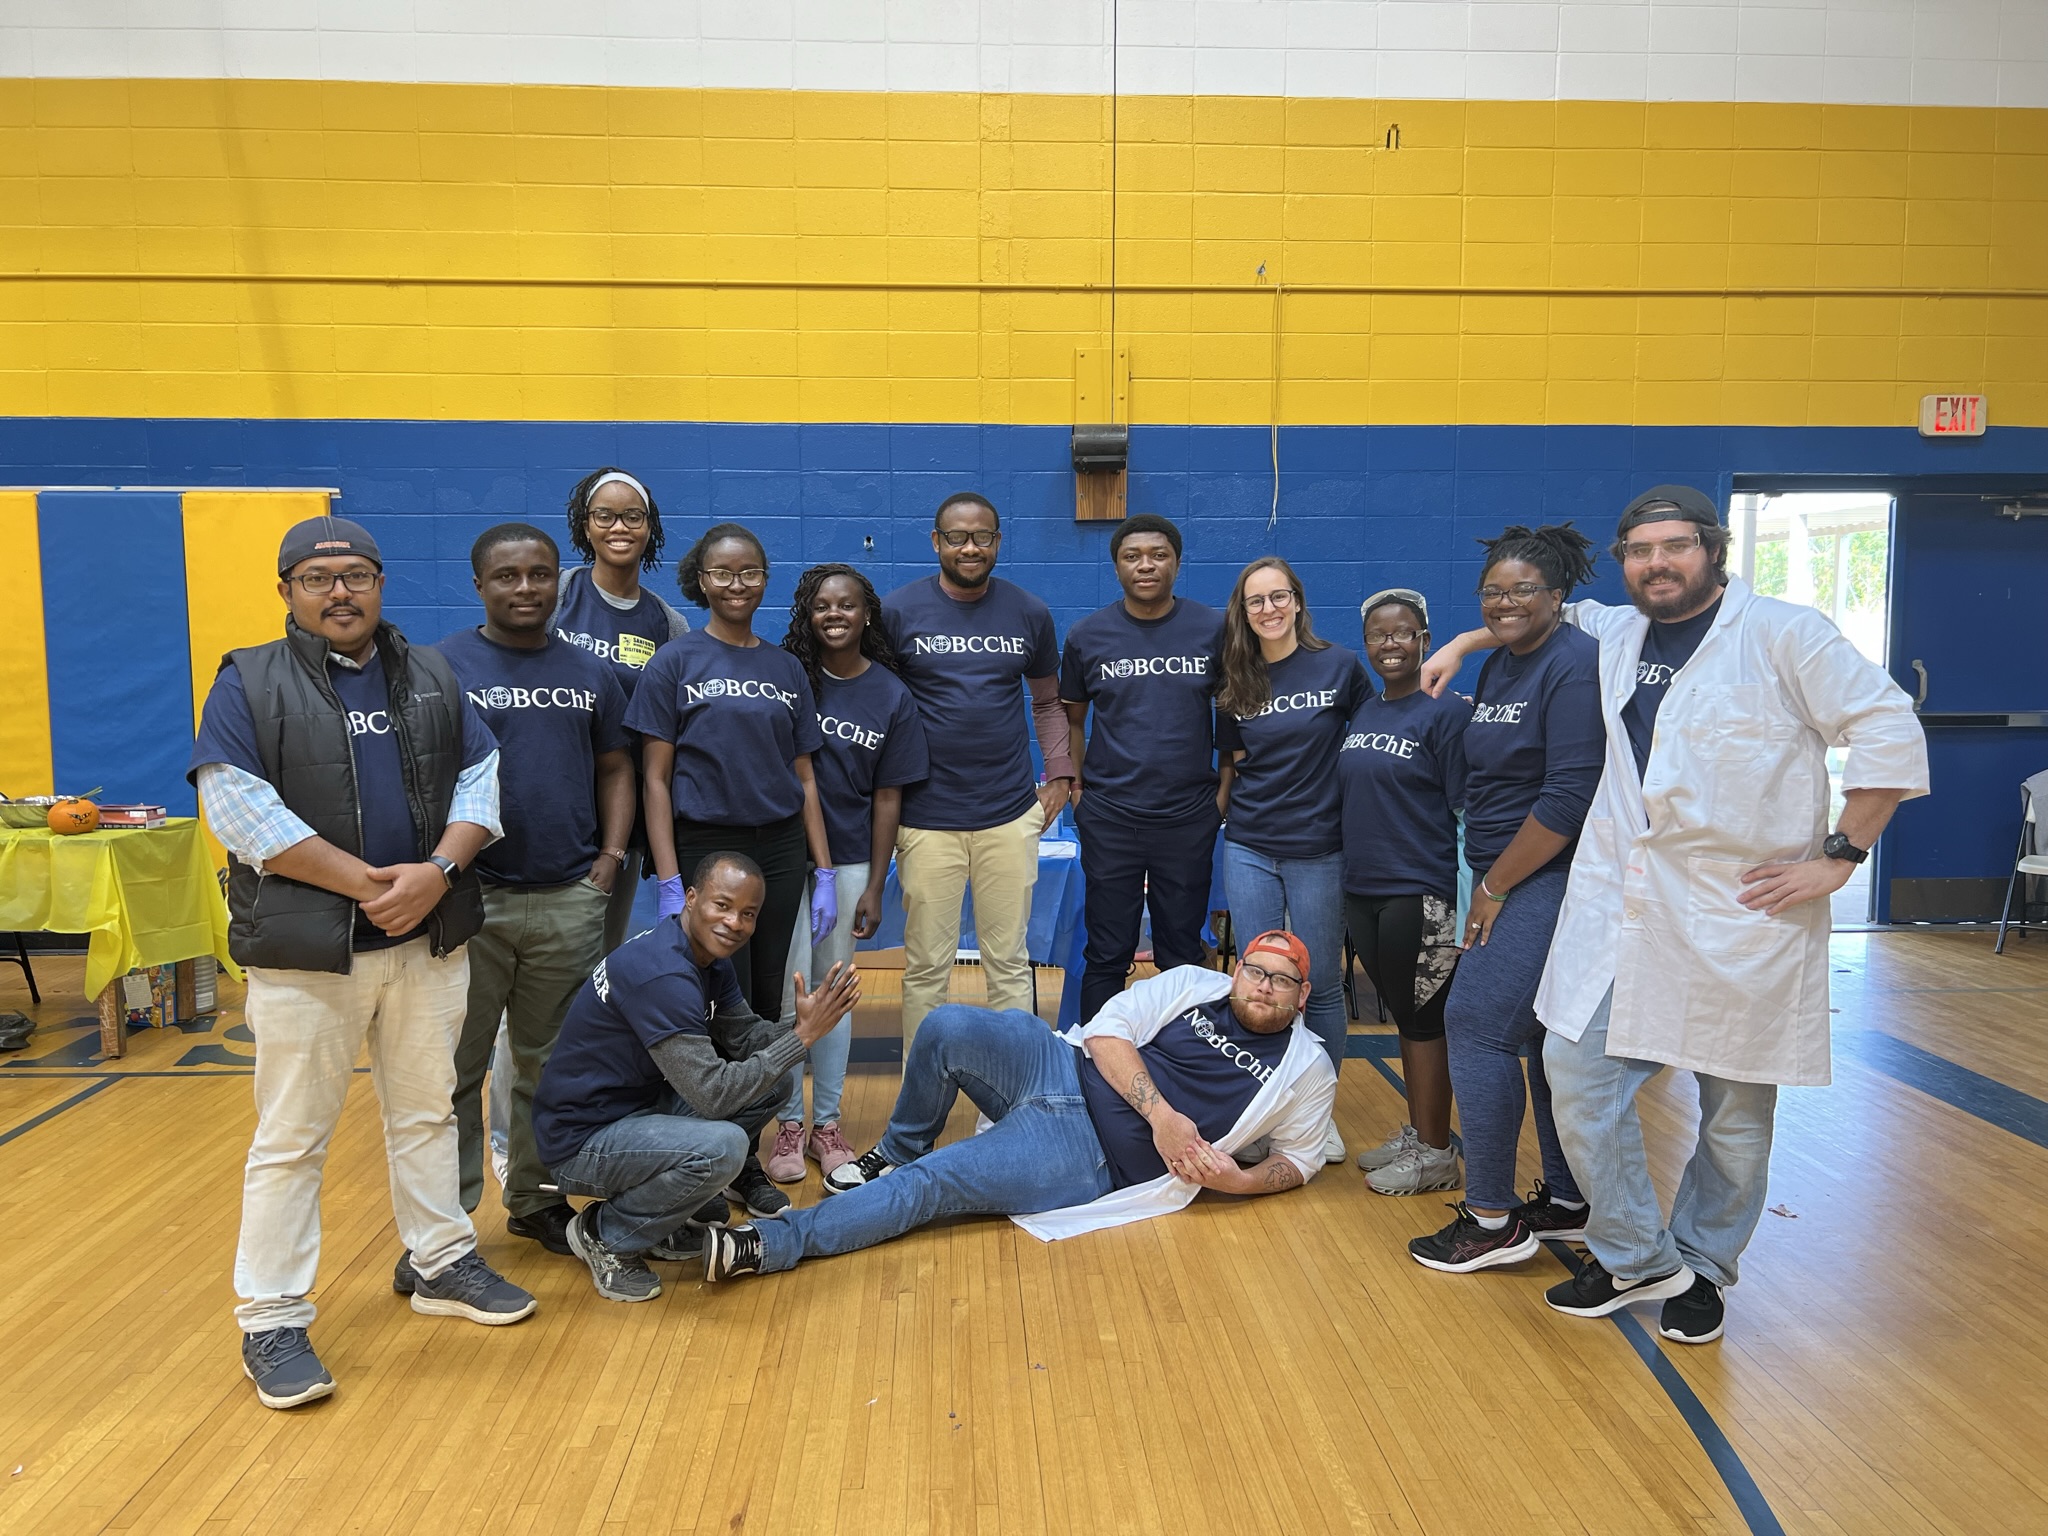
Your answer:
<point x="1333" y="1144"/>
<point x="1392" y="1150"/>
<point x="1423" y="1169"/>
<point x="501" y="1167"/>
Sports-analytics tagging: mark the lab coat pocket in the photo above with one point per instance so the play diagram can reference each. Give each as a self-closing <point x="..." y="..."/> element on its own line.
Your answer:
<point x="1730" y="937"/>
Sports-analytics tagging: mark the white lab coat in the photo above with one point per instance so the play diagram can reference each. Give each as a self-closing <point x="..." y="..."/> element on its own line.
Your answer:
<point x="1737" y="777"/>
<point x="1292" y="1106"/>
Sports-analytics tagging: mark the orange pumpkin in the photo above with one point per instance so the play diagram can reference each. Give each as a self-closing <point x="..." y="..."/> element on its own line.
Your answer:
<point x="74" y="816"/>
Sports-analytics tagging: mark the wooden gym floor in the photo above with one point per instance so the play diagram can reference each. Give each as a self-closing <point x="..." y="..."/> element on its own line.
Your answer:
<point x="1250" y="1366"/>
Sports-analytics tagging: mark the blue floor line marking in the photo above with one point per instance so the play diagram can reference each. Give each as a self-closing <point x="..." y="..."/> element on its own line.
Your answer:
<point x="1749" y="1499"/>
<point x="56" y="1109"/>
<point x="1973" y="1093"/>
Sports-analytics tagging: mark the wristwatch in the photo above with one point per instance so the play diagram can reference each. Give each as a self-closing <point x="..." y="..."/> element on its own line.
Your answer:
<point x="450" y="870"/>
<point x="1839" y="847"/>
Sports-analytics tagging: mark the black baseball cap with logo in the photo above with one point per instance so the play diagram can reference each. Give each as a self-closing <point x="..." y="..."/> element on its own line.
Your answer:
<point x="318" y="536"/>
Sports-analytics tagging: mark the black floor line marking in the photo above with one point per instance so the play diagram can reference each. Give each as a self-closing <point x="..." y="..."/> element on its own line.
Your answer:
<point x="56" y="1109"/>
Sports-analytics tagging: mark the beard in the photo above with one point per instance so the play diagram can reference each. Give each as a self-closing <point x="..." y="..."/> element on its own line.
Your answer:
<point x="1692" y="595"/>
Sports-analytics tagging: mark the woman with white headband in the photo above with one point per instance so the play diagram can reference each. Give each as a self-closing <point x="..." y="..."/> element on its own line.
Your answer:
<point x="616" y="527"/>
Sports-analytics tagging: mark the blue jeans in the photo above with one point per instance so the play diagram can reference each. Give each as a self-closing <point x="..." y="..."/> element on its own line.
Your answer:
<point x="1721" y="1197"/>
<point x="1306" y="897"/>
<point x="657" y="1168"/>
<point x="1489" y="1020"/>
<point x="1042" y="1153"/>
<point x="829" y="1056"/>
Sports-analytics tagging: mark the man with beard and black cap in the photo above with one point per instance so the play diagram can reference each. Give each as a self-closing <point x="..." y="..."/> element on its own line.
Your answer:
<point x="1694" y="931"/>
<point x="353" y="786"/>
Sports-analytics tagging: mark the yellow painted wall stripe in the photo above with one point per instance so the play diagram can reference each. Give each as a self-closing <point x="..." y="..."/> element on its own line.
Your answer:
<point x="25" y="767"/>
<point x="1683" y="263"/>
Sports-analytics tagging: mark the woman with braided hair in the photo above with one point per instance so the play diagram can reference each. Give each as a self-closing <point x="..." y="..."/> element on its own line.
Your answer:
<point x="1533" y="754"/>
<point x="873" y="745"/>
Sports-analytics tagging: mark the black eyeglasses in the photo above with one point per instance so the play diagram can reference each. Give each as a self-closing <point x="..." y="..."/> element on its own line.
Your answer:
<point x="1520" y="593"/>
<point x="960" y="538"/>
<point x="320" y="583"/>
<point x="604" y="517"/>
<point x="1397" y="636"/>
<point x="1279" y="981"/>
<point x="718" y="576"/>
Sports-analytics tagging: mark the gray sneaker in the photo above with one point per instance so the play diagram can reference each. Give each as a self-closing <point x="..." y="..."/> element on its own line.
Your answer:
<point x="1418" y="1171"/>
<point x="1393" y="1149"/>
<point x="617" y="1276"/>
<point x="470" y="1288"/>
<point x="286" y="1371"/>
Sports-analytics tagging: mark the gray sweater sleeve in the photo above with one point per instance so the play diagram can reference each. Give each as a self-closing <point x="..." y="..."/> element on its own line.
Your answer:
<point x="717" y="1088"/>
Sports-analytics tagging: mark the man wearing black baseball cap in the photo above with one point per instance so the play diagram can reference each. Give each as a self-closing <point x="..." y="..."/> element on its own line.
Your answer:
<point x="352" y="787"/>
<point x="1694" y="931"/>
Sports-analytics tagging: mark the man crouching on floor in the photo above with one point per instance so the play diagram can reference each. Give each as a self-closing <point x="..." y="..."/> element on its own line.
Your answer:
<point x="1129" y="1116"/>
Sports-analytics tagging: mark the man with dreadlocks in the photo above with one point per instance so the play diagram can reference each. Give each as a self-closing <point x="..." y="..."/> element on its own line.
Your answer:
<point x="1694" y="933"/>
<point x="873" y="746"/>
<point x="1532" y="755"/>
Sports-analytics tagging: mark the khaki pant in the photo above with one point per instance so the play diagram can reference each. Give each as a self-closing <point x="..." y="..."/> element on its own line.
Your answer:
<point x="935" y="870"/>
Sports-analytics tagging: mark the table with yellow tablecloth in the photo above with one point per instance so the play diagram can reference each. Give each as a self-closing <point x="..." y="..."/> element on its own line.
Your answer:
<point x="144" y="896"/>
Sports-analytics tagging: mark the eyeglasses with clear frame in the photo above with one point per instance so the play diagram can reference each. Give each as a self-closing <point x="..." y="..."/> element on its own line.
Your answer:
<point x="1279" y="602"/>
<point x="1640" y="552"/>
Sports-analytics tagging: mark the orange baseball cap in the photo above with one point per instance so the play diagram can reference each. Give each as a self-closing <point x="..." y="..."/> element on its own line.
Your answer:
<point x="1280" y="942"/>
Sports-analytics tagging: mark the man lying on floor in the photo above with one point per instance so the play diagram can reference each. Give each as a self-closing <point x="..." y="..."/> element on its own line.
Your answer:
<point x="1164" y="1093"/>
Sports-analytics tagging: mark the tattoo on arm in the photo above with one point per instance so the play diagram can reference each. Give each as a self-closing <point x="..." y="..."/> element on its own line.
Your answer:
<point x="1280" y="1174"/>
<point x="1141" y="1095"/>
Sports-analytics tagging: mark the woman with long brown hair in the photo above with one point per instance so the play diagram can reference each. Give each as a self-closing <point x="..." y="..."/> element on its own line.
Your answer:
<point x="1285" y="699"/>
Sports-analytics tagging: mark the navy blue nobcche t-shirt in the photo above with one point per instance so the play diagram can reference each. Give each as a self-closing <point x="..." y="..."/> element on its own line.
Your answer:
<point x="739" y="717"/>
<point x="1402" y="774"/>
<point x="1150" y="685"/>
<point x="553" y="710"/>
<point x="227" y="734"/>
<point x="1284" y="801"/>
<point x="624" y="637"/>
<point x="1204" y="1063"/>
<point x="965" y="664"/>
<point x="1666" y="648"/>
<point x="602" y="1068"/>
<point x="873" y="739"/>
<point x="1535" y="745"/>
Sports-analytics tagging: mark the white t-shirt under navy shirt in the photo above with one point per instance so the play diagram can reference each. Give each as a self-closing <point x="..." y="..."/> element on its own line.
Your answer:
<point x="1402" y="775"/>
<point x="1535" y="745"/>
<point x="227" y="734"/>
<point x="739" y="717"/>
<point x="625" y="636"/>
<point x="1666" y="648"/>
<point x="552" y="710"/>
<point x="965" y="663"/>
<point x="1204" y="1063"/>
<point x="872" y="739"/>
<point x="1150" y="685"/>
<point x="1284" y="802"/>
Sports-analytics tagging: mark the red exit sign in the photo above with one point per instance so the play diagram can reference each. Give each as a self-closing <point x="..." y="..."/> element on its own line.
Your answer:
<point x="1951" y="415"/>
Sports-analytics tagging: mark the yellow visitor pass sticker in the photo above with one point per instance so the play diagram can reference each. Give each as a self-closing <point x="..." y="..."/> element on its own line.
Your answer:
<point x="635" y="650"/>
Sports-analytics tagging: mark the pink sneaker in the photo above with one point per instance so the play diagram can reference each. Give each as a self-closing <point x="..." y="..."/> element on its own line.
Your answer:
<point x="785" y="1162"/>
<point x="828" y="1147"/>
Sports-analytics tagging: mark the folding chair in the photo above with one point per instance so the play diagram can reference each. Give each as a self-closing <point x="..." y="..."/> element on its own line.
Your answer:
<point x="2026" y="863"/>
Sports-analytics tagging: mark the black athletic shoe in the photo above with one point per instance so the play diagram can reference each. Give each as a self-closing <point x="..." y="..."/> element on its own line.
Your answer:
<point x="866" y="1168"/>
<point x="286" y="1371"/>
<point x="1465" y="1245"/>
<point x="756" y="1191"/>
<point x="548" y="1226"/>
<point x="1547" y="1219"/>
<point x="1697" y="1317"/>
<point x="730" y="1251"/>
<point x="1593" y="1292"/>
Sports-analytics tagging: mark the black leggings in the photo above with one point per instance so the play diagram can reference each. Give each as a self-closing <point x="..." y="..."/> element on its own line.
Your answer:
<point x="1389" y="933"/>
<point x="781" y="851"/>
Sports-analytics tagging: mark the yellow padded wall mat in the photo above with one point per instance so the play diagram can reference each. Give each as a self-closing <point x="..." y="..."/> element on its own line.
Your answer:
<point x="24" y="678"/>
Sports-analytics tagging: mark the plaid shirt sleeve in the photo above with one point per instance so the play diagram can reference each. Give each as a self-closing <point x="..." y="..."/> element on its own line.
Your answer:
<point x="476" y="797"/>
<point x="247" y="814"/>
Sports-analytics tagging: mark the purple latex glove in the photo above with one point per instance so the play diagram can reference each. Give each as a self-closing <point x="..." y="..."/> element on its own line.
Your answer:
<point x="824" y="904"/>
<point x="670" y="900"/>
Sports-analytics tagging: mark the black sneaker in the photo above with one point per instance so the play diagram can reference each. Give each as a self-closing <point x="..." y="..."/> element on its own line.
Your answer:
<point x="468" y="1288"/>
<point x="1593" y="1292"/>
<point x="617" y="1276"/>
<point x="286" y="1371"/>
<point x="548" y="1226"/>
<point x="1697" y="1317"/>
<point x="730" y="1251"/>
<point x="866" y="1168"/>
<point x="1547" y="1219"/>
<point x="1465" y="1245"/>
<point x="685" y="1245"/>
<point x="756" y="1191"/>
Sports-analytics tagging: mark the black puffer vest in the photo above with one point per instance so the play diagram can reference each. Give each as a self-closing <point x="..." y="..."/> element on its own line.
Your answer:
<point x="303" y="737"/>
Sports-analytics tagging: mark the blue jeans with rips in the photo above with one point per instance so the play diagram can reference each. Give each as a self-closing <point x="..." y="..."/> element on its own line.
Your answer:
<point x="1041" y="1154"/>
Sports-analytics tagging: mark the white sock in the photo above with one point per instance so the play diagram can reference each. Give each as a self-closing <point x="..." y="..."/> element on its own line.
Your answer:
<point x="1568" y="1205"/>
<point x="1491" y="1223"/>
